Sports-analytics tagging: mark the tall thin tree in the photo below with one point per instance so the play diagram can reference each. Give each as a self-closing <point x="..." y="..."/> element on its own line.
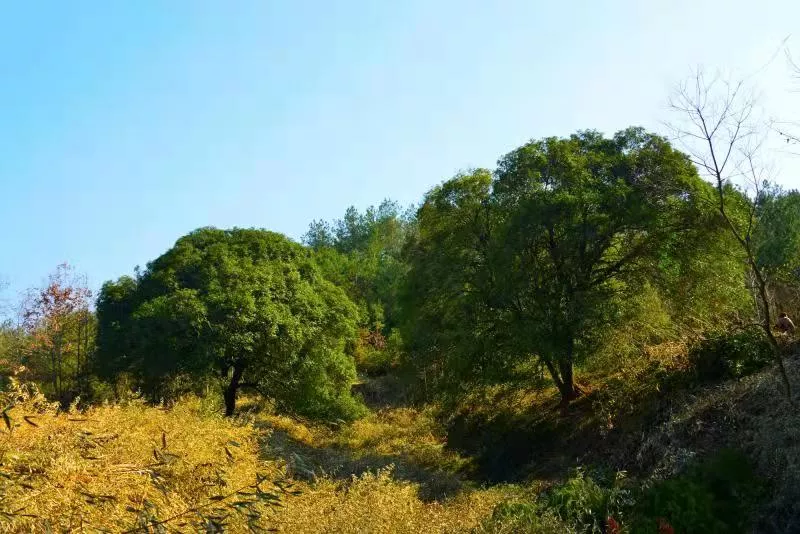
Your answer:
<point x="719" y="129"/>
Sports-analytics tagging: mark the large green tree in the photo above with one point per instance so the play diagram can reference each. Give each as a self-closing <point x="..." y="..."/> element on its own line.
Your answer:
<point x="250" y="306"/>
<point x="537" y="260"/>
<point x="777" y="235"/>
<point x="588" y="217"/>
<point x="776" y="242"/>
<point x="451" y="309"/>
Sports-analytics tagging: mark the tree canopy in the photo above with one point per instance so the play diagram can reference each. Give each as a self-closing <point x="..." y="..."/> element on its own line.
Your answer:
<point x="249" y="306"/>
<point x="362" y="253"/>
<point x="536" y="261"/>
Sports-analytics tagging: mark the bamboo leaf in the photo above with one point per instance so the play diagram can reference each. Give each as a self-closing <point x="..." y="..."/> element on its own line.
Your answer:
<point x="28" y="420"/>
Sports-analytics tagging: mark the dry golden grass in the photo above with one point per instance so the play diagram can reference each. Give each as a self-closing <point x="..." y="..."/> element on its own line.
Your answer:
<point x="380" y="498"/>
<point x="116" y="468"/>
<point x="408" y="434"/>
<point x="126" y="468"/>
<point x="296" y="430"/>
<point x="402" y="432"/>
<point x="376" y="503"/>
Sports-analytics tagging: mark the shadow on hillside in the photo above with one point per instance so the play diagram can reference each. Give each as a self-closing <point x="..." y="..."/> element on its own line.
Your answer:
<point x="511" y="447"/>
<point x="382" y="391"/>
<point x="752" y="415"/>
<point x="545" y="442"/>
<point x="308" y="462"/>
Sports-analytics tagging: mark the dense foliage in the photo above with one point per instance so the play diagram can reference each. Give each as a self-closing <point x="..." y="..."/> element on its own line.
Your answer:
<point x="730" y="355"/>
<point x="363" y="254"/>
<point x="54" y="339"/>
<point x="574" y="251"/>
<point x="539" y="259"/>
<point x="248" y="306"/>
<point x="717" y="494"/>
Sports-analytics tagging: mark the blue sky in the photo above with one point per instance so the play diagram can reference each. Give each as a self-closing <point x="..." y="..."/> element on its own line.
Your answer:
<point x="124" y="125"/>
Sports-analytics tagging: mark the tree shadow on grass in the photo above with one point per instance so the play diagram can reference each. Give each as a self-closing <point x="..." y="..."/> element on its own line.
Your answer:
<point x="545" y="441"/>
<point x="383" y="392"/>
<point x="308" y="462"/>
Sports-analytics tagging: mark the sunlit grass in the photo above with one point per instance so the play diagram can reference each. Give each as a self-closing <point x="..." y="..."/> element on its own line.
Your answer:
<point x="135" y="467"/>
<point x="376" y="502"/>
<point x="116" y="468"/>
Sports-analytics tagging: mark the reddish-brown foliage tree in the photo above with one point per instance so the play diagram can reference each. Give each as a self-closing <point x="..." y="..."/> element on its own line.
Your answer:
<point x="58" y="322"/>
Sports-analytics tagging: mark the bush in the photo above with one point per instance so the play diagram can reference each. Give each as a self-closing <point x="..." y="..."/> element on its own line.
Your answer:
<point x="586" y="504"/>
<point x="95" y="391"/>
<point x="522" y="518"/>
<point x="719" y="495"/>
<point x="373" y="362"/>
<point x="376" y="354"/>
<point x="730" y="355"/>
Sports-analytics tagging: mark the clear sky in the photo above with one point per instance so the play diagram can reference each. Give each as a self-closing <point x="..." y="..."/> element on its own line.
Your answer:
<point x="124" y="125"/>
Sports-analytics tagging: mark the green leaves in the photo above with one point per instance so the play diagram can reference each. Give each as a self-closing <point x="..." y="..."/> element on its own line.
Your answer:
<point x="362" y="253"/>
<point x="222" y="299"/>
<point x="777" y="235"/>
<point x="535" y="259"/>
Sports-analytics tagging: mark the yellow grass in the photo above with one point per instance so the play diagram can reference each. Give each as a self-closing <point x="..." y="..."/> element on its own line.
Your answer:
<point x="377" y="503"/>
<point x="125" y="468"/>
<point x="115" y="467"/>
<point x="407" y="433"/>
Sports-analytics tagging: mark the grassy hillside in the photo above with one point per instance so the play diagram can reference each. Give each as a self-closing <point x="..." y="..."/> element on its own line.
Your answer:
<point x="180" y="469"/>
<point x="135" y="468"/>
<point x="580" y="340"/>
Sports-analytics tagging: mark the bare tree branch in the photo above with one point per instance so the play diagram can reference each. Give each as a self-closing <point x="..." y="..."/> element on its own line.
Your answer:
<point x="719" y="134"/>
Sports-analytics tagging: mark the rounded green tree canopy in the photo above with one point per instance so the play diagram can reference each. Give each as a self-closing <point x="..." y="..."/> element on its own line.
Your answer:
<point x="249" y="306"/>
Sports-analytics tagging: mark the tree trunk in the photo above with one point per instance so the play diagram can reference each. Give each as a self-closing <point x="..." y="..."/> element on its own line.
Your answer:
<point x="767" y="326"/>
<point x="78" y="365"/>
<point x="761" y="281"/>
<point x="563" y="377"/>
<point x="568" y="390"/>
<point x="233" y="387"/>
<point x="54" y="360"/>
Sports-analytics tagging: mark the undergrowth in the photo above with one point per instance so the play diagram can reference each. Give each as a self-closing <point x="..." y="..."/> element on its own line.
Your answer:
<point x="139" y="468"/>
<point x="131" y="468"/>
<point x="408" y="442"/>
<point x="717" y="495"/>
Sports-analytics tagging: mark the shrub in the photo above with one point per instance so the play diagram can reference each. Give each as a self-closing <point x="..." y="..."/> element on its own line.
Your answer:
<point x="639" y="384"/>
<point x="373" y="361"/>
<point x="718" y="495"/>
<point x="586" y="504"/>
<point x="376" y="354"/>
<point x="522" y="518"/>
<point x="95" y="391"/>
<point x="730" y="355"/>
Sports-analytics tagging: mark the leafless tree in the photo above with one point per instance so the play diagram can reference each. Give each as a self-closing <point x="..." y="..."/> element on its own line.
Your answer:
<point x="790" y="130"/>
<point x="719" y="129"/>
